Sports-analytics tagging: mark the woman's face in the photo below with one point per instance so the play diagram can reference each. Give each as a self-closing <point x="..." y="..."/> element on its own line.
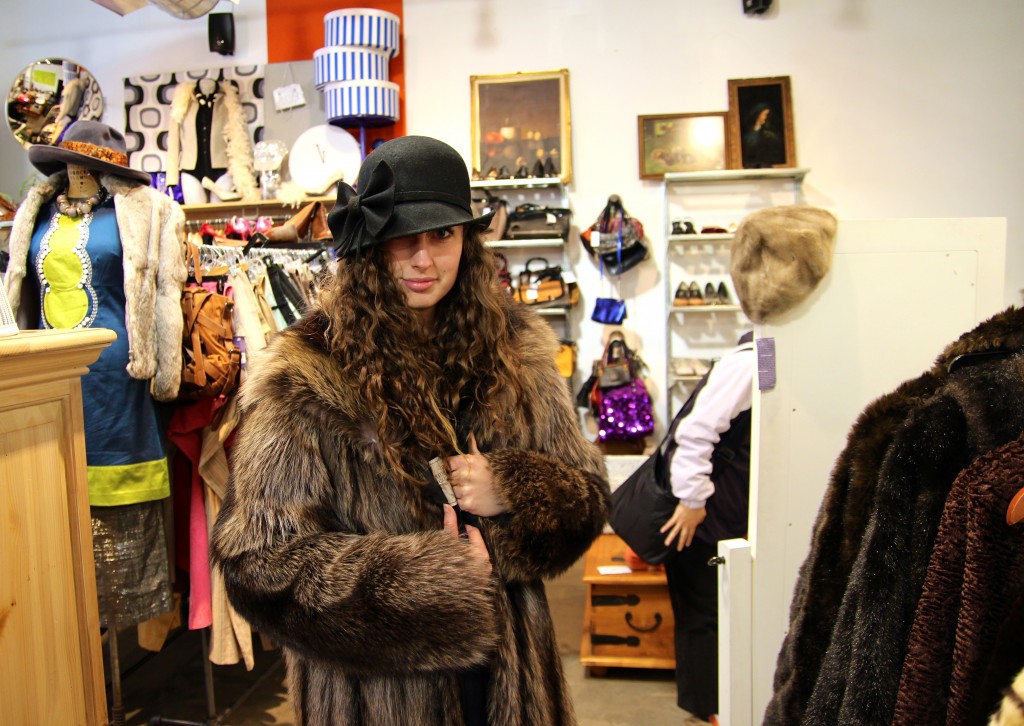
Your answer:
<point x="426" y="266"/>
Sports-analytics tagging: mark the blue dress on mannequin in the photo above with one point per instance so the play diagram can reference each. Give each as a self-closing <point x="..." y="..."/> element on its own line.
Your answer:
<point x="79" y="266"/>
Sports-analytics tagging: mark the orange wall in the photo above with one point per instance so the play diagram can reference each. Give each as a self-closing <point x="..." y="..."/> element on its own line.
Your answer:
<point x="295" y="28"/>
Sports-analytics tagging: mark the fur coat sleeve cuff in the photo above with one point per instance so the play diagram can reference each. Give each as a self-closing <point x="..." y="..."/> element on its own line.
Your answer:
<point x="555" y="513"/>
<point x="371" y="604"/>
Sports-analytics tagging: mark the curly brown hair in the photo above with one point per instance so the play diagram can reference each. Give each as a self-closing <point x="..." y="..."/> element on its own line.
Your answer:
<point x="416" y="383"/>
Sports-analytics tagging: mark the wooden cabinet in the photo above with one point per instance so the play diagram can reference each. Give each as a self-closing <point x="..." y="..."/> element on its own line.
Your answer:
<point x="627" y="619"/>
<point x="51" y="666"/>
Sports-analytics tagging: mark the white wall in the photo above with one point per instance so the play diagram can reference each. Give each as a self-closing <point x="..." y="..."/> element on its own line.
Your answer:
<point x="901" y="109"/>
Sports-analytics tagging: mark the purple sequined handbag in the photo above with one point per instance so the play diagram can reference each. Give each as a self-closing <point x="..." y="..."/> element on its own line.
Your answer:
<point x="625" y="413"/>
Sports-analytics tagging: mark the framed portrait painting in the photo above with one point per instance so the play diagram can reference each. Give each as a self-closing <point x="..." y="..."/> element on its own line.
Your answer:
<point x="521" y="126"/>
<point x="761" y="123"/>
<point x="681" y="142"/>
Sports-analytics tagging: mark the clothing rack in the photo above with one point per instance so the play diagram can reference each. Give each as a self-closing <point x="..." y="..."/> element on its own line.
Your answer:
<point x="194" y="225"/>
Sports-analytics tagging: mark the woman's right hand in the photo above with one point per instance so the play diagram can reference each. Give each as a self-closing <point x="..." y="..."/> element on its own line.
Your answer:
<point x="476" y="540"/>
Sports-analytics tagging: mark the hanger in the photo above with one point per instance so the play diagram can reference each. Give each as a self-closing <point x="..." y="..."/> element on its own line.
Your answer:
<point x="1015" y="512"/>
<point x="976" y="357"/>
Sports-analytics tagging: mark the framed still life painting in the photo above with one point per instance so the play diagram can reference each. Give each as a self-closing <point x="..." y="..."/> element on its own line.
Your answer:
<point x="521" y="124"/>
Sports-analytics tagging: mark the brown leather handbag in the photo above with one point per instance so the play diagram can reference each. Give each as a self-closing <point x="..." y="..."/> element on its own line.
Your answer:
<point x="210" y="360"/>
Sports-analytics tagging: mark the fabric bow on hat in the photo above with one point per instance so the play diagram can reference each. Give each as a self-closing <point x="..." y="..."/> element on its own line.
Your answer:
<point x="358" y="219"/>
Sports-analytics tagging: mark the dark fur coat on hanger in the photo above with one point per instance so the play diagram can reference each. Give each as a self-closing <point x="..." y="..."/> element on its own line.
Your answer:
<point x="856" y="592"/>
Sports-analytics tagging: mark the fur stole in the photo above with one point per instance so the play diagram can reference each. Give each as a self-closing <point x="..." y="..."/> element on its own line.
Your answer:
<point x="236" y="138"/>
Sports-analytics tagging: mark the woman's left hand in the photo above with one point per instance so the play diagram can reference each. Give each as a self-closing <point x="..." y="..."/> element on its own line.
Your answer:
<point x="473" y="483"/>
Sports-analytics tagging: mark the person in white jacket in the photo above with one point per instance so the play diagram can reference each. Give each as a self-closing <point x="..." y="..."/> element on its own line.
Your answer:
<point x="710" y="474"/>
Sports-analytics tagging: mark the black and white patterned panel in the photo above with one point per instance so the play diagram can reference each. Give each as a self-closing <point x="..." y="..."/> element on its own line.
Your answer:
<point x="147" y="109"/>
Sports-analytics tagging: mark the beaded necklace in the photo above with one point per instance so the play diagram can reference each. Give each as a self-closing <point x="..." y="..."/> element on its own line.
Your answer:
<point x="81" y="208"/>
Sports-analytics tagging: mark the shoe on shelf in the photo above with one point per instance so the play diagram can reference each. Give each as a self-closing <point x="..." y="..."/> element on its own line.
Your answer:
<point x="683" y="367"/>
<point x="723" y="294"/>
<point x="700" y="365"/>
<point x="712" y="229"/>
<point x="682" y="296"/>
<point x="694" y="295"/>
<point x="688" y="227"/>
<point x="710" y="295"/>
<point x="677" y="227"/>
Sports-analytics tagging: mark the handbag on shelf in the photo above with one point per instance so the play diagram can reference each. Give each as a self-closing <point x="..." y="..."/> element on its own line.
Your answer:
<point x="625" y="413"/>
<point x="504" y="276"/>
<point x="544" y="285"/>
<point x="565" y="358"/>
<point x="609" y="311"/>
<point x="499" y="222"/>
<point x="617" y="366"/>
<point x="616" y="239"/>
<point x="532" y="221"/>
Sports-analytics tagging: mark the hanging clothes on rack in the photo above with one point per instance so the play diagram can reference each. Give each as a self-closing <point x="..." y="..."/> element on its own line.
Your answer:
<point x="967" y="638"/>
<point x="857" y="649"/>
<point x="203" y="430"/>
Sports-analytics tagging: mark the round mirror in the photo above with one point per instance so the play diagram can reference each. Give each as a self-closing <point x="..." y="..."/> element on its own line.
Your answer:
<point x="47" y="97"/>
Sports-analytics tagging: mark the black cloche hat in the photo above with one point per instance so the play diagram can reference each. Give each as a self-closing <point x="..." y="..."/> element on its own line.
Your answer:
<point x="89" y="144"/>
<point x="408" y="185"/>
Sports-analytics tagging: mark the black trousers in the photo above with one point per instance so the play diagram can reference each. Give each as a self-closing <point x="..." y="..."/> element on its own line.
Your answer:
<point x="693" y="587"/>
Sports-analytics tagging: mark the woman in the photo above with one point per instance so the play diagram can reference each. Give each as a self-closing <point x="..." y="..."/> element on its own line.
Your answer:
<point x="335" y="540"/>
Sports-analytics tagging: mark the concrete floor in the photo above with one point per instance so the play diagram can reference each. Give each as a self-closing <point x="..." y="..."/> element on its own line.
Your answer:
<point x="168" y="687"/>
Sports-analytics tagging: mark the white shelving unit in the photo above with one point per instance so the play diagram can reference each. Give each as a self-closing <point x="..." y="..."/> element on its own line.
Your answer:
<point x="719" y="199"/>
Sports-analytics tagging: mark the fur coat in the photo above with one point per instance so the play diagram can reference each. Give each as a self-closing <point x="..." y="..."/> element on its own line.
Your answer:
<point x="152" y="230"/>
<point x="967" y="639"/>
<point x="856" y="592"/>
<point x="326" y="551"/>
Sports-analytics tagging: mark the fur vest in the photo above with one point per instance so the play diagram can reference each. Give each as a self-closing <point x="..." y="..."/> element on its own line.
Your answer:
<point x="857" y="590"/>
<point x="152" y="230"/>
<point x="347" y="568"/>
<point x="229" y="143"/>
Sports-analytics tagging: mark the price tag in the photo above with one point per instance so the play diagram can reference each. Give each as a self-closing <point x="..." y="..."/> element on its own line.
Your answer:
<point x="289" y="96"/>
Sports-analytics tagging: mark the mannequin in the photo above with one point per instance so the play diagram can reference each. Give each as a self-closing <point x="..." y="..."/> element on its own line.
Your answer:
<point x="209" y="135"/>
<point x="82" y="255"/>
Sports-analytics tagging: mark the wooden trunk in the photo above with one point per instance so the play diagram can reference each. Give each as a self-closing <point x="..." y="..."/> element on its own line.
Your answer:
<point x="628" y="618"/>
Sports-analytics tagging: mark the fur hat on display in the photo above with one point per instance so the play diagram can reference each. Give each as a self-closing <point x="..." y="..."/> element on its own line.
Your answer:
<point x="779" y="255"/>
<point x="408" y="185"/>
<point x="88" y="144"/>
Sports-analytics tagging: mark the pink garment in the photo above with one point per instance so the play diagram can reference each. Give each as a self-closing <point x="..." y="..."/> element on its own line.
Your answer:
<point x="185" y="431"/>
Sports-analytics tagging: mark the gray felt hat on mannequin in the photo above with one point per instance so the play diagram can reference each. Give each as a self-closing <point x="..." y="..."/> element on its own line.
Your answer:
<point x="88" y="144"/>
